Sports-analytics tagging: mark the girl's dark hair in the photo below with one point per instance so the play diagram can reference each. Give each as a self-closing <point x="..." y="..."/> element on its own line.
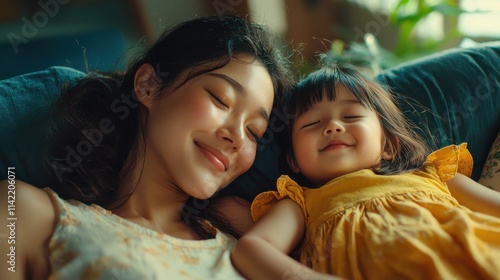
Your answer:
<point x="97" y="125"/>
<point x="408" y="149"/>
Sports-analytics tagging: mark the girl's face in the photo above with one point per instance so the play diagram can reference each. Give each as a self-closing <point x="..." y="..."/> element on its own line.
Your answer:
<point x="336" y="137"/>
<point x="201" y="136"/>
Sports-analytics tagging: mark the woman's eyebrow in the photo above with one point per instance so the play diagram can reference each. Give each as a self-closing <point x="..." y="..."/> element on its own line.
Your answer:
<point x="264" y="114"/>
<point x="240" y="89"/>
<point x="237" y="86"/>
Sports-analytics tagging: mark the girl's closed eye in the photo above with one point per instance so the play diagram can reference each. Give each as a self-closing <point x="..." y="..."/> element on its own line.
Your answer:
<point x="352" y="117"/>
<point x="309" y="124"/>
<point x="353" y="114"/>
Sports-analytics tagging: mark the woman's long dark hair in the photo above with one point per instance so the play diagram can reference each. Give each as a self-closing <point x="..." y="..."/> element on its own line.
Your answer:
<point x="97" y="120"/>
<point x="408" y="149"/>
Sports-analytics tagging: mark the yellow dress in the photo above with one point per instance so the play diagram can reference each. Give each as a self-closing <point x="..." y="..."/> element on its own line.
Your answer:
<point x="407" y="226"/>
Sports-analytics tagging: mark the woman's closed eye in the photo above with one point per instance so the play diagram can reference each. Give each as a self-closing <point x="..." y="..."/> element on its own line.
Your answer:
<point x="253" y="135"/>
<point x="218" y="100"/>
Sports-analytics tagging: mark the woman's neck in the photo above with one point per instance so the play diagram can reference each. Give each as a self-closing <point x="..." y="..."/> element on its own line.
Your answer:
<point x="153" y="202"/>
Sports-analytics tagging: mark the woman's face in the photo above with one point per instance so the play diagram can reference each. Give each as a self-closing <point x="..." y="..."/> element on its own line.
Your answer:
<point x="201" y="136"/>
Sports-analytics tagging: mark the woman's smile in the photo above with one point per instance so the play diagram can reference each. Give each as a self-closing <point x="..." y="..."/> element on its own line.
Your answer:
<point x="217" y="158"/>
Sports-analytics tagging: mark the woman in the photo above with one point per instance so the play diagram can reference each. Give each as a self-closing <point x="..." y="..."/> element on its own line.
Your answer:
<point x="137" y="155"/>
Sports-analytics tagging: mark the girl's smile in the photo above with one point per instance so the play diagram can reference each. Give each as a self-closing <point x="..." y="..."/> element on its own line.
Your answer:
<point x="335" y="145"/>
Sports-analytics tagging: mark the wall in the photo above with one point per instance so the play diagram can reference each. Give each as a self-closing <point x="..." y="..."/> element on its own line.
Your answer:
<point x="158" y="15"/>
<point x="83" y="34"/>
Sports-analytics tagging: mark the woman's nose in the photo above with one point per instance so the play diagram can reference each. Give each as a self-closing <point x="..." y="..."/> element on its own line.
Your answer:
<point x="333" y="126"/>
<point x="233" y="135"/>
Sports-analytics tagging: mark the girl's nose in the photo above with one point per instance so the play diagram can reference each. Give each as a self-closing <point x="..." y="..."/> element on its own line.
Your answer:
<point x="333" y="126"/>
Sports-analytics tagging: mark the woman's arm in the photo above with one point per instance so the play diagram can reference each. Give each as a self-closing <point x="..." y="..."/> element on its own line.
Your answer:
<point x="474" y="196"/>
<point x="29" y="225"/>
<point x="262" y="252"/>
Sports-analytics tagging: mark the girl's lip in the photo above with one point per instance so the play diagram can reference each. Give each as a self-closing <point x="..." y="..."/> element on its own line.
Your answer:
<point x="218" y="159"/>
<point x="334" y="145"/>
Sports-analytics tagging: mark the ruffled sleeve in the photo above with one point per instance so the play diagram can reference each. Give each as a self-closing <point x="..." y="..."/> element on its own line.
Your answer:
<point x="286" y="188"/>
<point x="450" y="160"/>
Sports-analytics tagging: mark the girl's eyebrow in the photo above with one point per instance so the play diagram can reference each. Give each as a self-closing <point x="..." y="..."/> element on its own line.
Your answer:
<point x="239" y="89"/>
<point x="350" y="101"/>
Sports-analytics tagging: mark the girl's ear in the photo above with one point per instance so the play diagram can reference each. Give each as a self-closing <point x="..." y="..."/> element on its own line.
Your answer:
<point x="292" y="163"/>
<point x="387" y="155"/>
<point x="145" y="85"/>
<point x="390" y="148"/>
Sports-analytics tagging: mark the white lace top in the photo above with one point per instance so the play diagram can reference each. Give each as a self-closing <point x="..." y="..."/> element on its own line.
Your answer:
<point x="89" y="242"/>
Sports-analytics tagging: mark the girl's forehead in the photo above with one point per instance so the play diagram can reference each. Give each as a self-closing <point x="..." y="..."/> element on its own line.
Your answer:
<point x="341" y="95"/>
<point x="339" y="92"/>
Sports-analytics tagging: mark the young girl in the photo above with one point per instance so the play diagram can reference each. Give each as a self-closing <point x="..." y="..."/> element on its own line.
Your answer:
<point x="139" y="153"/>
<point x="377" y="207"/>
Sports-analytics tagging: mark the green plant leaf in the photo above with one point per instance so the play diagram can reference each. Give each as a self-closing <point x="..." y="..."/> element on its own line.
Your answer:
<point x="394" y="14"/>
<point x="448" y="10"/>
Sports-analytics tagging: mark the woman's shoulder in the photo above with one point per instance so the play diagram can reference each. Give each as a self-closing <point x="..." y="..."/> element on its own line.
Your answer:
<point x="27" y="203"/>
<point x="24" y="197"/>
<point x="31" y="216"/>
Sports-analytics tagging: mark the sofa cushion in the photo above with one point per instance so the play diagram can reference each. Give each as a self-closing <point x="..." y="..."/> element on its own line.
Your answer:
<point x="24" y="105"/>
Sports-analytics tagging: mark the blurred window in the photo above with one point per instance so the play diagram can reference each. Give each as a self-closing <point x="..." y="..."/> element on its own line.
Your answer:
<point x="377" y="5"/>
<point x="483" y="19"/>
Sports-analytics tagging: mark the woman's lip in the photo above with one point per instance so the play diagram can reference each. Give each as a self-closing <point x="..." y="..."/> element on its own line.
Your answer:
<point x="217" y="158"/>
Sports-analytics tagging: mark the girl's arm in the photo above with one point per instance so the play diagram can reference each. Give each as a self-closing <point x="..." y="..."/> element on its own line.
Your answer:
<point x="474" y="196"/>
<point x="262" y="252"/>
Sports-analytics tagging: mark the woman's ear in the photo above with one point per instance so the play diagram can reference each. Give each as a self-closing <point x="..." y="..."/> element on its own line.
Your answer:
<point x="145" y="85"/>
<point x="292" y="163"/>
